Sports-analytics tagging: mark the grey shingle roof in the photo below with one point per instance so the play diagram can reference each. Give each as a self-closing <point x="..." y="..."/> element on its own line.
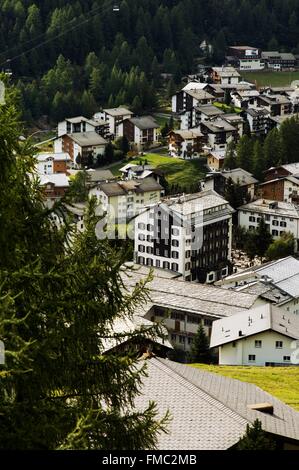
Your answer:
<point x="194" y="298"/>
<point x="86" y="139"/>
<point x="240" y="176"/>
<point x="144" y="122"/>
<point x="209" y="411"/>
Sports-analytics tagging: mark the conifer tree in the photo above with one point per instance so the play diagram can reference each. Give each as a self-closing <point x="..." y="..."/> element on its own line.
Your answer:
<point x="256" y="439"/>
<point x="200" y="346"/>
<point x="60" y="292"/>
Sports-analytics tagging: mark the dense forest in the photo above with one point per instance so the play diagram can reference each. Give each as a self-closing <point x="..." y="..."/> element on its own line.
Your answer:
<point x="81" y="55"/>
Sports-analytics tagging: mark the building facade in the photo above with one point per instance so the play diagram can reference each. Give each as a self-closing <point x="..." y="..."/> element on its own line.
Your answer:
<point x="189" y="235"/>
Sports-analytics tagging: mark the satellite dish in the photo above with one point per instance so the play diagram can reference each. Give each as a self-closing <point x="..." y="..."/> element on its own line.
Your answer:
<point x="295" y="84"/>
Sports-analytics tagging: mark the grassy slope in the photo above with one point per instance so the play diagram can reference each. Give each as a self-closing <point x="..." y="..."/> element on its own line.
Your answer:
<point x="282" y="382"/>
<point x="176" y="170"/>
<point x="271" y="78"/>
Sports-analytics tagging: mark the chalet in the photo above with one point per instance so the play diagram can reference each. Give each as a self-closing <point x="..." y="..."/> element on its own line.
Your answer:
<point x="244" y="98"/>
<point x="262" y="336"/>
<point x="218" y="134"/>
<point x="215" y="160"/>
<point x="54" y="186"/>
<point x="277" y="105"/>
<point x="133" y="171"/>
<point x="290" y="169"/>
<point x="258" y="120"/>
<point x="236" y="120"/>
<point x="225" y="75"/>
<point x="49" y="163"/>
<point x="193" y="94"/>
<point x="80" y="124"/>
<point x="114" y="116"/>
<point x="243" y="178"/>
<point x="81" y="144"/>
<point x="141" y="131"/>
<point x="284" y="189"/>
<point x="277" y="121"/>
<point x="193" y="117"/>
<point x="185" y="143"/>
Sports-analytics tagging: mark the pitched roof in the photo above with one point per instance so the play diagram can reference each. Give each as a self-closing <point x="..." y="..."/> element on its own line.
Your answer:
<point x="61" y="156"/>
<point x="264" y="206"/>
<point x="200" y="94"/>
<point x="60" y="180"/>
<point x="195" y="86"/>
<point x="144" y="122"/>
<point x="209" y="411"/>
<point x="218" y="125"/>
<point x="117" y="111"/>
<point x="85" y="139"/>
<point x="238" y="175"/>
<point x="209" y="110"/>
<point x="258" y="111"/>
<point x="196" y="298"/>
<point x="188" y="134"/>
<point x="121" y="188"/>
<point x="251" y="322"/>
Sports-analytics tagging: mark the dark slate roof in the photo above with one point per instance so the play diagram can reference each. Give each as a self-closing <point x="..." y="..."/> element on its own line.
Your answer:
<point x="209" y="411"/>
<point x="144" y="122"/>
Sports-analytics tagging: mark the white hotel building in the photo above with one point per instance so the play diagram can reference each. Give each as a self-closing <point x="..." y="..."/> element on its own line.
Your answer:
<point x="190" y="235"/>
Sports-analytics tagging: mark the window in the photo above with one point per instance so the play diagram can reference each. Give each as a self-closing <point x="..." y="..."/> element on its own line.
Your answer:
<point x="234" y="344"/>
<point x="149" y="262"/>
<point x="211" y="277"/>
<point x="165" y="265"/>
<point x="150" y="227"/>
<point x="286" y="358"/>
<point x="175" y="231"/>
<point x="207" y="322"/>
<point x="275" y="233"/>
<point x="187" y="266"/>
<point x="188" y="254"/>
<point x="175" y="267"/>
<point x="283" y="224"/>
<point x="175" y="254"/>
<point x="173" y="337"/>
<point x="141" y="248"/>
<point x="141" y="237"/>
<point x="175" y="243"/>
<point x="279" y="344"/>
<point x="141" y="226"/>
<point x="158" y="263"/>
<point x="258" y="344"/>
<point x="150" y="250"/>
<point x="275" y="223"/>
<point x="251" y="358"/>
<point x="251" y="219"/>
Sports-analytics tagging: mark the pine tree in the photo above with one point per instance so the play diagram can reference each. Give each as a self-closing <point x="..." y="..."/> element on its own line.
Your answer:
<point x="273" y="152"/>
<point x="256" y="439"/>
<point x="245" y="153"/>
<point x="60" y="291"/>
<point x="200" y="350"/>
<point x="258" y="164"/>
<point x="230" y="161"/>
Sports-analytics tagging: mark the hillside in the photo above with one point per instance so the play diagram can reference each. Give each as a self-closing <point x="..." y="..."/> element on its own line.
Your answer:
<point x="282" y="382"/>
<point x="72" y="58"/>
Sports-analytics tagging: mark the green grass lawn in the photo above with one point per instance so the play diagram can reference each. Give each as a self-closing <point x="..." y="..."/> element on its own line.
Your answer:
<point x="271" y="78"/>
<point x="282" y="382"/>
<point x="226" y="108"/>
<point x="182" y="172"/>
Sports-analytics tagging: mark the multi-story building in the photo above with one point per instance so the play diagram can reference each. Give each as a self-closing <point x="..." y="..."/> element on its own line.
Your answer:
<point x="114" y="116"/>
<point x="81" y="124"/>
<point x="218" y="134"/>
<point x="81" y="143"/>
<point x="140" y="131"/>
<point x="277" y="105"/>
<point x="193" y="94"/>
<point x="258" y="119"/>
<point x="190" y="235"/>
<point x="245" y="58"/>
<point x="122" y="200"/>
<point x="243" y="178"/>
<point x="279" y="60"/>
<point x="185" y="143"/>
<point x="280" y="217"/>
